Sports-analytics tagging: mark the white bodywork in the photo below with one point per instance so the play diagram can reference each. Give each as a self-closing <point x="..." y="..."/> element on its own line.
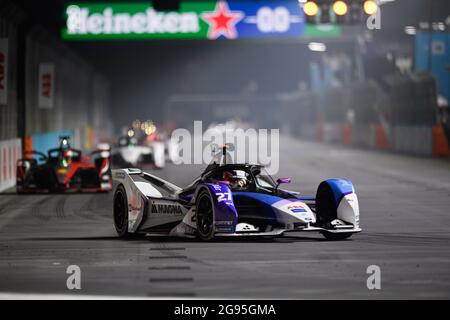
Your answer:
<point x="161" y="211"/>
<point x="132" y="154"/>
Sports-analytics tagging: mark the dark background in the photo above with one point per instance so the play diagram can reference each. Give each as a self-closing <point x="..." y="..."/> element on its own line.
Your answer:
<point x="144" y="74"/>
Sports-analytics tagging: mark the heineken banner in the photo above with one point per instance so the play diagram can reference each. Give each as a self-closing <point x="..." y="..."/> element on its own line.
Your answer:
<point x="194" y="20"/>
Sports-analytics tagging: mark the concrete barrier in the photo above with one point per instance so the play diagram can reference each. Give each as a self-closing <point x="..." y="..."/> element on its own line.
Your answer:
<point x="363" y="135"/>
<point x="332" y="132"/>
<point x="413" y="139"/>
<point x="10" y="152"/>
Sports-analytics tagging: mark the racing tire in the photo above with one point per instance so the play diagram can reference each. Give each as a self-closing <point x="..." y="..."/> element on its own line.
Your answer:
<point x="326" y="206"/>
<point x="204" y="216"/>
<point x="120" y="211"/>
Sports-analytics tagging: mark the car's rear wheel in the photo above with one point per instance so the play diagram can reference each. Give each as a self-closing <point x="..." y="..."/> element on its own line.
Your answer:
<point x="120" y="210"/>
<point x="204" y="216"/>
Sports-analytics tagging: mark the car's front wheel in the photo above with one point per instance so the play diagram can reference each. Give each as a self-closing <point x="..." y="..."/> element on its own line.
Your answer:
<point x="204" y="216"/>
<point x="121" y="212"/>
<point x="326" y="209"/>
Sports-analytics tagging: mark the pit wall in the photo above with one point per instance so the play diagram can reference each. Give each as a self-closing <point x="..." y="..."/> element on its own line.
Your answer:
<point x="10" y="152"/>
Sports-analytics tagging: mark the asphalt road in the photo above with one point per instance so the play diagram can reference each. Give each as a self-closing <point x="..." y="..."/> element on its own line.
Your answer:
<point x="405" y="215"/>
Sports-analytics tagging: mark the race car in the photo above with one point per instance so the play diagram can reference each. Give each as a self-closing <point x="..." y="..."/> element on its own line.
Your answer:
<point x="63" y="169"/>
<point x="230" y="200"/>
<point x="132" y="151"/>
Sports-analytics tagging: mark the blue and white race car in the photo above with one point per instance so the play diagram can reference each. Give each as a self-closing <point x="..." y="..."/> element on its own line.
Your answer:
<point x="230" y="200"/>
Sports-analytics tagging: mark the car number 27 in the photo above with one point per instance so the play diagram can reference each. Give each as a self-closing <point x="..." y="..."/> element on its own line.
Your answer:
<point x="223" y="196"/>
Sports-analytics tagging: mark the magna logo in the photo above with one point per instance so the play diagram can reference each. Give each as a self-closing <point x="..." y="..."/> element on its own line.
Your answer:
<point x="166" y="208"/>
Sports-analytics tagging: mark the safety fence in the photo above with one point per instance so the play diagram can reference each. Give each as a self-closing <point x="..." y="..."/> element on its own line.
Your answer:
<point x="10" y="152"/>
<point x="399" y="115"/>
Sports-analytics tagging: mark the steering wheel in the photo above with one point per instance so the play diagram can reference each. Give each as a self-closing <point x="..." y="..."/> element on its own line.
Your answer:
<point x="57" y="153"/>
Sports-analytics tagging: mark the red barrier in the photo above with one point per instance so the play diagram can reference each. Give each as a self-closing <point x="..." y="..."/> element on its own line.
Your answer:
<point x="346" y="130"/>
<point x="10" y="152"/>
<point x="440" y="142"/>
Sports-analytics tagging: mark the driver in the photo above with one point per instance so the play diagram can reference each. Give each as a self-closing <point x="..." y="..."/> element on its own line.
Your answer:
<point x="237" y="179"/>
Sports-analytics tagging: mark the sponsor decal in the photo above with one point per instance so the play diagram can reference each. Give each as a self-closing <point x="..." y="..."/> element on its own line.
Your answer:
<point x="164" y="208"/>
<point x="46" y="88"/>
<point x="224" y="223"/>
<point x="119" y="175"/>
<point x="297" y="208"/>
<point x="131" y="207"/>
<point x="224" y="229"/>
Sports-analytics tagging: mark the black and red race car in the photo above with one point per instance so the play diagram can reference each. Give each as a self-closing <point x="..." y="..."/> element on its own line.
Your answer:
<point x="63" y="169"/>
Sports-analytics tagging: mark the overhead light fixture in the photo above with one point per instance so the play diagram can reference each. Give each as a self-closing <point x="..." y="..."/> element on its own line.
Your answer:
<point x="310" y="8"/>
<point x="438" y="26"/>
<point x="410" y="30"/>
<point x="370" y="7"/>
<point x="317" y="46"/>
<point x="340" y="8"/>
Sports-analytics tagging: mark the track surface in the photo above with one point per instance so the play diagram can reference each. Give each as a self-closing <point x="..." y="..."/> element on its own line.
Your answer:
<point x="405" y="214"/>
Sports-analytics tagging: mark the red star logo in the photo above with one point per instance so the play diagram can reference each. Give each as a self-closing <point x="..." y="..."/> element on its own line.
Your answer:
<point x="222" y="21"/>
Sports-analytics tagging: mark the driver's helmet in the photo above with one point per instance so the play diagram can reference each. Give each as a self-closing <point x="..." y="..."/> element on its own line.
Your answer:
<point x="236" y="178"/>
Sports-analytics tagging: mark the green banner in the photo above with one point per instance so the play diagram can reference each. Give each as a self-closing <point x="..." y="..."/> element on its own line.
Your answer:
<point x="135" y="21"/>
<point x="322" y="30"/>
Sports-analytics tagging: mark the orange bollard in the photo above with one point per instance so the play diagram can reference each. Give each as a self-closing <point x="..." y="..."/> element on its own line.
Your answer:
<point x="320" y="130"/>
<point x="27" y="145"/>
<point x="440" y="142"/>
<point x="381" y="140"/>
<point x="346" y="133"/>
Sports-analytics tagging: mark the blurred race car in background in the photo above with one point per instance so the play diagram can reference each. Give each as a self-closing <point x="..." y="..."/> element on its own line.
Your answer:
<point x="230" y="200"/>
<point x="147" y="151"/>
<point x="64" y="168"/>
